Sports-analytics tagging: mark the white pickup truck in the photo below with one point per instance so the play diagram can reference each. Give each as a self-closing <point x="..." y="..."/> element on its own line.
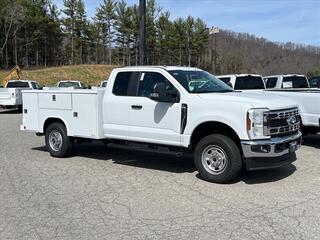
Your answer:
<point x="71" y="83"/>
<point x="286" y="86"/>
<point x="286" y="81"/>
<point x="243" y="81"/>
<point x="11" y="96"/>
<point x="163" y="108"/>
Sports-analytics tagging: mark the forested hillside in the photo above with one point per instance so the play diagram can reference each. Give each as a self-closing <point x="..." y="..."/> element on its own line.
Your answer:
<point x="238" y="52"/>
<point x="35" y="33"/>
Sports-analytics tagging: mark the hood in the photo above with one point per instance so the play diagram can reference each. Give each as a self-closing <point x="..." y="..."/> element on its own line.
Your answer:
<point x="257" y="99"/>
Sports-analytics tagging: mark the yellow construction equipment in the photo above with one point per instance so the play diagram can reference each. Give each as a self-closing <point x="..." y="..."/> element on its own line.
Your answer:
<point x="16" y="71"/>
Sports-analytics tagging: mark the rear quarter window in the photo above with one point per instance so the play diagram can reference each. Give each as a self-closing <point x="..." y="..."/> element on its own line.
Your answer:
<point x="249" y="83"/>
<point x="18" y="85"/>
<point x="125" y="84"/>
<point x="271" y="82"/>
<point x="295" y="82"/>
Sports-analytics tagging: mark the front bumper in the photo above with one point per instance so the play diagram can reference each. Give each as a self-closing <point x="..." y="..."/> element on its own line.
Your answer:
<point x="270" y="153"/>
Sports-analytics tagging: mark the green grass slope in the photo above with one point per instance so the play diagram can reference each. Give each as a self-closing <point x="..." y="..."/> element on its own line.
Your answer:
<point x="89" y="74"/>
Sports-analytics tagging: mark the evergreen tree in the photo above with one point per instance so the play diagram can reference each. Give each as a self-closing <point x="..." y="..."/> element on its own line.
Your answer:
<point x="69" y="22"/>
<point x="106" y="16"/>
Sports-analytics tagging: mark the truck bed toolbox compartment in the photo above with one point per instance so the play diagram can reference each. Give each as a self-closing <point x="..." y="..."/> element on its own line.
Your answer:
<point x="55" y="100"/>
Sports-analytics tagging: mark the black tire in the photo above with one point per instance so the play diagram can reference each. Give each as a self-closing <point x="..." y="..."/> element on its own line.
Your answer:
<point x="64" y="149"/>
<point x="106" y="142"/>
<point x="223" y="146"/>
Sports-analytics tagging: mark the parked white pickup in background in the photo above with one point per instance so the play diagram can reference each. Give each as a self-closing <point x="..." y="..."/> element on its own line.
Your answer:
<point x="11" y="96"/>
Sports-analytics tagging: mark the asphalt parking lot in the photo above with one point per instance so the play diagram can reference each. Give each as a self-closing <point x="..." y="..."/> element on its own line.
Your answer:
<point x="104" y="193"/>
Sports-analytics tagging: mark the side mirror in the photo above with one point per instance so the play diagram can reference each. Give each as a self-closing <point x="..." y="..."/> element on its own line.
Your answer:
<point x="160" y="94"/>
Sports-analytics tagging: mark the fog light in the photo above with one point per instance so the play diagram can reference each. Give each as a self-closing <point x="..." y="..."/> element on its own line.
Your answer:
<point x="261" y="148"/>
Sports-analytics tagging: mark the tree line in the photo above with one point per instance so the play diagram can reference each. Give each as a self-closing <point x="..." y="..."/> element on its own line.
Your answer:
<point x="246" y="53"/>
<point x="35" y="33"/>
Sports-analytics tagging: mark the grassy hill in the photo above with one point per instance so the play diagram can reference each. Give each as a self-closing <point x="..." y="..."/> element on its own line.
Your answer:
<point x="89" y="74"/>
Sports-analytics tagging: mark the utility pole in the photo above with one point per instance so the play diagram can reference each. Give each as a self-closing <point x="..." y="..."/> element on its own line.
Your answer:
<point x="214" y="31"/>
<point x="142" y="31"/>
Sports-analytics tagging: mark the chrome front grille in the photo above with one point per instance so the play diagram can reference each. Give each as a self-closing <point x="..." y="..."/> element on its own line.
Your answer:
<point x="281" y="122"/>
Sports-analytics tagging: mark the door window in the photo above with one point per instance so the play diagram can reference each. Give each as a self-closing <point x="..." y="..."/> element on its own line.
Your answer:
<point x="147" y="81"/>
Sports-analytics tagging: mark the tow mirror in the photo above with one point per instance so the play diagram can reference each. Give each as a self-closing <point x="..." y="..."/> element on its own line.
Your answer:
<point x="160" y="94"/>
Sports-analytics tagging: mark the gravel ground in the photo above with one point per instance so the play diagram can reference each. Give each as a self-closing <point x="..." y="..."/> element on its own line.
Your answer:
<point x="104" y="193"/>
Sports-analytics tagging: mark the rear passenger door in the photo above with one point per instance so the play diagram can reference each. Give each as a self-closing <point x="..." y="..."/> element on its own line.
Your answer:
<point x="117" y="105"/>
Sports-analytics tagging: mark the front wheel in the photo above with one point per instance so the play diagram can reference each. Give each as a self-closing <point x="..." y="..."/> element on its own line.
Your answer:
<point x="218" y="159"/>
<point x="57" y="141"/>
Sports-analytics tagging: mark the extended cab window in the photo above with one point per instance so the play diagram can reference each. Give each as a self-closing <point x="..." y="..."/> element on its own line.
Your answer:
<point x="124" y="84"/>
<point x="18" y="84"/>
<point x="271" y="82"/>
<point x="147" y="81"/>
<point x="295" y="82"/>
<point x="249" y="82"/>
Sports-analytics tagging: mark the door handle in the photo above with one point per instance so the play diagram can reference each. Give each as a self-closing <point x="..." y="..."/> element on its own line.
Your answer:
<point x="136" y="107"/>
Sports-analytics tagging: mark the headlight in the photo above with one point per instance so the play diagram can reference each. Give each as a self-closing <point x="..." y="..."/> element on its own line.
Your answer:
<point x="255" y="122"/>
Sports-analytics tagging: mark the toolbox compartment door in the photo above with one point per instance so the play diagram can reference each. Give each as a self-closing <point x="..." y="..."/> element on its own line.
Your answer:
<point x="30" y="112"/>
<point x="62" y="101"/>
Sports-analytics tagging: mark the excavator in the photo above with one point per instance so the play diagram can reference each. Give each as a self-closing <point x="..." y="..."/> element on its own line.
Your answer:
<point x="16" y="71"/>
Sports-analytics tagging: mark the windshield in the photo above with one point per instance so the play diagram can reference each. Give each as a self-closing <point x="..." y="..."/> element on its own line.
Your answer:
<point x="315" y="82"/>
<point x="295" y="82"/>
<point x="69" y="84"/>
<point x="35" y="85"/>
<point x="199" y="81"/>
<point x="249" y="83"/>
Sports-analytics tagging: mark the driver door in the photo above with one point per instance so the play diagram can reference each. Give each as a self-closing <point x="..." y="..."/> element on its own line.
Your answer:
<point x="150" y="120"/>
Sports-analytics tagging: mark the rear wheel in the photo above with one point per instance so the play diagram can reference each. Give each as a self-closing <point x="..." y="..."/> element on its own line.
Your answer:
<point x="218" y="159"/>
<point x="57" y="141"/>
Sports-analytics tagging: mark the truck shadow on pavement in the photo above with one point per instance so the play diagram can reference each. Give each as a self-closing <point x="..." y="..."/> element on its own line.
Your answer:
<point x="167" y="162"/>
<point x="9" y="111"/>
<point x="312" y="141"/>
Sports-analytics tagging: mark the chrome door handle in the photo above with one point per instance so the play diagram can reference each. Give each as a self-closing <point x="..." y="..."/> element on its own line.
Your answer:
<point x="136" y="107"/>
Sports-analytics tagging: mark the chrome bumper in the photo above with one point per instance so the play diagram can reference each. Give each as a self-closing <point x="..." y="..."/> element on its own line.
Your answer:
<point x="270" y="148"/>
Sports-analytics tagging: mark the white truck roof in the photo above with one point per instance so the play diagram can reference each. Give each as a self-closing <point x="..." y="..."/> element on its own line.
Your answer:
<point x="239" y="75"/>
<point x="285" y="75"/>
<point x="168" y="68"/>
<point x="17" y="80"/>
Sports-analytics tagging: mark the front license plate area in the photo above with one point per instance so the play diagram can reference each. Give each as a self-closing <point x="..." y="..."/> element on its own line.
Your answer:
<point x="293" y="146"/>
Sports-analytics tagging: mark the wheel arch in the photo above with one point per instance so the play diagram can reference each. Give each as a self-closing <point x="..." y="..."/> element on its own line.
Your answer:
<point x="214" y="127"/>
<point x="50" y="120"/>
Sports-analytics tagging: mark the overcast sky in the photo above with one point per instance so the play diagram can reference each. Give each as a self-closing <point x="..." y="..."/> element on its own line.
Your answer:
<point x="277" y="20"/>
